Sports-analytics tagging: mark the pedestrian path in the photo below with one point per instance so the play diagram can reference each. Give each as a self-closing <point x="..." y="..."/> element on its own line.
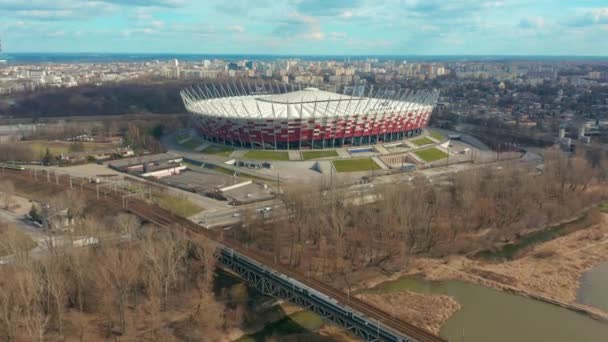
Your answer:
<point x="342" y="153"/>
<point x="238" y="154"/>
<point x="380" y="163"/>
<point x="295" y="155"/>
<point x="381" y="149"/>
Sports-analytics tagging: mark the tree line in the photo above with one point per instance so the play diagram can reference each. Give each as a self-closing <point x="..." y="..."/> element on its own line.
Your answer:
<point x="329" y="233"/>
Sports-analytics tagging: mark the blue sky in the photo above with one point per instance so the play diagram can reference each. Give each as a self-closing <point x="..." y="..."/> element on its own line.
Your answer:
<point x="338" y="27"/>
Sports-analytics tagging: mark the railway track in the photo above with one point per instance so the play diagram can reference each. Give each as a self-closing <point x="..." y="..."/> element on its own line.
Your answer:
<point x="164" y="218"/>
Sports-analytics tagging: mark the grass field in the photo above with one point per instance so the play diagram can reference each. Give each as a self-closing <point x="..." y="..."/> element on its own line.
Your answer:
<point x="431" y="154"/>
<point x="307" y="155"/>
<point x="191" y="144"/>
<point x="218" y="150"/>
<point x="179" y="206"/>
<point x="422" y="141"/>
<point x="59" y="147"/>
<point x="436" y="135"/>
<point x="353" y="165"/>
<point x="182" y="136"/>
<point x="267" y="155"/>
<point x="603" y="207"/>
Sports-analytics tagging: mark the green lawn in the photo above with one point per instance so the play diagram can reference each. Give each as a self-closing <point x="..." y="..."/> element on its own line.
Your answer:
<point x="431" y="154"/>
<point x="182" y="136"/>
<point x="352" y="165"/>
<point x="58" y="147"/>
<point x="266" y="155"/>
<point x="307" y="155"/>
<point x="603" y="207"/>
<point x="422" y="141"/>
<point x="180" y="206"/>
<point x="436" y="135"/>
<point x="191" y="144"/>
<point x="219" y="150"/>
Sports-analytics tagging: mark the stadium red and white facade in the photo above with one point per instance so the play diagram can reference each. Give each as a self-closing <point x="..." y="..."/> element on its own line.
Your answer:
<point x="273" y="118"/>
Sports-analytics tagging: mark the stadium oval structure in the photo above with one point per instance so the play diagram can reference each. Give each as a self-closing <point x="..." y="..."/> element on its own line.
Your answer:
<point x="267" y="117"/>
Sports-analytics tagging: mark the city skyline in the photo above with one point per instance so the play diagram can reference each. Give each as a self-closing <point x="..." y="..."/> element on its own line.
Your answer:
<point x="307" y="27"/>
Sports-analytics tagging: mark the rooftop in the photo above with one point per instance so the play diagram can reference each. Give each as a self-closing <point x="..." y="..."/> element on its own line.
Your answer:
<point x="307" y="103"/>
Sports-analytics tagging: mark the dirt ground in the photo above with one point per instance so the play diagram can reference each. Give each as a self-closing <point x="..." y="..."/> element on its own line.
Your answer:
<point x="20" y="205"/>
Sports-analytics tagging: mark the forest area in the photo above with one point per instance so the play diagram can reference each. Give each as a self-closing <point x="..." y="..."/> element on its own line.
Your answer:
<point x="136" y="282"/>
<point x="91" y="100"/>
<point x="332" y="237"/>
<point x="140" y="135"/>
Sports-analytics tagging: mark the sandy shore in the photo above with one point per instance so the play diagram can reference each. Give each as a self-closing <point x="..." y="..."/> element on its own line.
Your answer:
<point x="425" y="311"/>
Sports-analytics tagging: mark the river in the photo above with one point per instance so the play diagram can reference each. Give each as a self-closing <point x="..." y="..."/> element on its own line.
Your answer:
<point x="594" y="289"/>
<point x="491" y="315"/>
<point x="486" y="314"/>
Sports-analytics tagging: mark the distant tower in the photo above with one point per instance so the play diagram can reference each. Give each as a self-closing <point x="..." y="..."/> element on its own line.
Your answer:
<point x="581" y="132"/>
<point x="2" y="61"/>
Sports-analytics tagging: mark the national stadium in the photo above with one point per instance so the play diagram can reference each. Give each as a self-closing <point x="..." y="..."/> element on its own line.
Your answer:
<point x="285" y="117"/>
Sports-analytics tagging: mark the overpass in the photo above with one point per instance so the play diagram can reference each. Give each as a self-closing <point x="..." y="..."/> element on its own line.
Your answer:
<point x="361" y="319"/>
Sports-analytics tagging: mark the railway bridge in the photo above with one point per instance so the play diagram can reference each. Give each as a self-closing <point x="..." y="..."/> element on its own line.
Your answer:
<point x="361" y="319"/>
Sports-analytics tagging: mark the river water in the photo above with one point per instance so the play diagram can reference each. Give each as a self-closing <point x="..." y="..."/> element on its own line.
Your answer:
<point x="594" y="289"/>
<point x="490" y="315"/>
<point x="486" y="314"/>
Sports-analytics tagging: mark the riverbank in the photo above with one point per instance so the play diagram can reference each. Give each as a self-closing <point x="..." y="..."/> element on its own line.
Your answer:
<point x="550" y="271"/>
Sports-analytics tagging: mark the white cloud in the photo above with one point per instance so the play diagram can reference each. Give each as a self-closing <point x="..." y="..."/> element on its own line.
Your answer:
<point x="532" y="23"/>
<point x="589" y="17"/>
<point x="236" y="28"/>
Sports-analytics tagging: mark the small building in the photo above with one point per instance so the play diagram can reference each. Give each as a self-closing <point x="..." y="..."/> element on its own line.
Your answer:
<point x="141" y="164"/>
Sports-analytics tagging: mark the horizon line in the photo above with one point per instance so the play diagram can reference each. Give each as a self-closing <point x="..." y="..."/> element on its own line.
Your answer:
<point x="303" y="54"/>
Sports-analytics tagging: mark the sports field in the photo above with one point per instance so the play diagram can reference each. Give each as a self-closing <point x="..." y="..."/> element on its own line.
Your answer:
<point x="353" y="165"/>
<point x="436" y="135"/>
<point x="431" y="154"/>
<point x="218" y="150"/>
<point x="422" y="141"/>
<point x="191" y="144"/>
<point x="307" y="155"/>
<point x="266" y="155"/>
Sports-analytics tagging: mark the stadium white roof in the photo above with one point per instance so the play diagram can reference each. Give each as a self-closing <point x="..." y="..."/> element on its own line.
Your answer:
<point x="306" y="103"/>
